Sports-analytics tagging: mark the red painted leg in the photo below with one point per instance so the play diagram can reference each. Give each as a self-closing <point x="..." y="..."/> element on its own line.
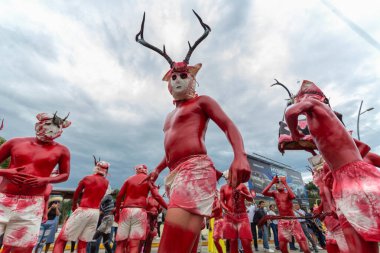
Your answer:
<point x="304" y="247"/>
<point x="355" y="241"/>
<point x="246" y="243"/>
<point x="6" y="249"/>
<point x="332" y="248"/>
<point x="180" y="231"/>
<point x="176" y="239"/>
<point x="284" y="246"/>
<point x="218" y="246"/>
<point x="59" y="245"/>
<point x="121" y="245"/>
<point x="195" y="246"/>
<point x="22" y="250"/>
<point x="82" y="245"/>
<point x="133" y="246"/>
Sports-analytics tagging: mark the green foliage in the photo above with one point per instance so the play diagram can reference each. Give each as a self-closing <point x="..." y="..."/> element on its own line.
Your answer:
<point x="312" y="193"/>
<point x="5" y="164"/>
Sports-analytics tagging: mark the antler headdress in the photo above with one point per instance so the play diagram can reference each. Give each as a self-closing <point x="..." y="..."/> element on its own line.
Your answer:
<point x="176" y="66"/>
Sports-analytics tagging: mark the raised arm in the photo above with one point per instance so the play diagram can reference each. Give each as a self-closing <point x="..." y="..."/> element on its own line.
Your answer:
<point x="77" y="193"/>
<point x="239" y="170"/>
<point x="362" y="147"/>
<point x="266" y="191"/>
<point x="290" y="192"/>
<point x="156" y="195"/>
<point x="291" y="117"/>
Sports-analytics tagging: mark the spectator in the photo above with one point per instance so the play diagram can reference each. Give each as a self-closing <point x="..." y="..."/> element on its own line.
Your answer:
<point x="273" y="225"/>
<point x="53" y="218"/>
<point x="313" y="226"/>
<point x="251" y="212"/>
<point x="259" y="214"/>
<point x="301" y="213"/>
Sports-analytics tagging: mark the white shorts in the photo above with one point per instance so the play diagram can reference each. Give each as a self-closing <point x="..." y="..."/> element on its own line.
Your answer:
<point x="337" y="237"/>
<point x="20" y="219"/>
<point x="132" y="224"/>
<point x="81" y="225"/>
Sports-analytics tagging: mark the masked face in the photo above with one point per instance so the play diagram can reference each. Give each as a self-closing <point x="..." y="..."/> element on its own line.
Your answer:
<point x="47" y="131"/>
<point x="280" y="186"/>
<point x="141" y="169"/>
<point x="182" y="86"/>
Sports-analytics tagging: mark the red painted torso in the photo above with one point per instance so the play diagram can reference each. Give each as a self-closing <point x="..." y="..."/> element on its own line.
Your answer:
<point x="233" y="199"/>
<point x="185" y="129"/>
<point x="284" y="203"/>
<point x="152" y="206"/>
<point x="329" y="134"/>
<point x="136" y="193"/>
<point x="38" y="158"/>
<point x="95" y="187"/>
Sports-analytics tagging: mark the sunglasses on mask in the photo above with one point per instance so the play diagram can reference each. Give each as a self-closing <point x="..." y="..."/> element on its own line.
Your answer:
<point x="182" y="76"/>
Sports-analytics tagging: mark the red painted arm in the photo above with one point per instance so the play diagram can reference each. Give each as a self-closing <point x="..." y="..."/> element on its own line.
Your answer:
<point x="64" y="168"/>
<point x="240" y="170"/>
<point x="291" y="117"/>
<point x="266" y="191"/>
<point x="373" y="159"/>
<point x="160" y="167"/>
<point x="77" y="193"/>
<point x="223" y="200"/>
<point x="290" y="192"/>
<point x="363" y="148"/>
<point x="120" y="196"/>
<point x="157" y="196"/>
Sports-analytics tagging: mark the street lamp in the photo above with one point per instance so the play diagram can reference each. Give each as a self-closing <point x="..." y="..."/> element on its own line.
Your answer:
<point x="360" y="113"/>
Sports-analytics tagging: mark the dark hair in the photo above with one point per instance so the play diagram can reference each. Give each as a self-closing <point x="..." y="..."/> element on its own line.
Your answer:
<point x="261" y="201"/>
<point x="271" y="205"/>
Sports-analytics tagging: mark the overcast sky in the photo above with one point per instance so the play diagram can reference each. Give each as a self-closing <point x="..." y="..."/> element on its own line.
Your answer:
<point x="81" y="57"/>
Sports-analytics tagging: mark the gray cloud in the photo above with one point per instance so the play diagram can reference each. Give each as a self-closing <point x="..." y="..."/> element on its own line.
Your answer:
<point x="81" y="57"/>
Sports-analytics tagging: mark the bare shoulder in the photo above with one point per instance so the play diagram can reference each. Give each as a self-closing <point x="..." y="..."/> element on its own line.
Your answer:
<point x="206" y="99"/>
<point x="18" y="140"/>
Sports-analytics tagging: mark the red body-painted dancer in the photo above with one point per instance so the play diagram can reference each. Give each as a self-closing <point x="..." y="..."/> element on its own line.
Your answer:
<point x="322" y="178"/>
<point x="217" y="214"/>
<point x="153" y="209"/>
<point x="192" y="181"/>
<point x="130" y="212"/>
<point x="286" y="228"/>
<point x="25" y="181"/>
<point x="82" y="223"/>
<point x="356" y="189"/>
<point x="236" y="222"/>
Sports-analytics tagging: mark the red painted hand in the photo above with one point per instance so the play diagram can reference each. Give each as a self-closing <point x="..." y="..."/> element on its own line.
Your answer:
<point x="240" y="171"/>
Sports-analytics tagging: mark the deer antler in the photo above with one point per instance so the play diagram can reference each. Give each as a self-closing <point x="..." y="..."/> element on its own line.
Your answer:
<point x="2" y="125"/>
<point x="205" y="34"/>
<point x="278" y="83"/>
<point x="146" y="44"/>
<point x="95" y="161"/>
<point x="66" y="117"/>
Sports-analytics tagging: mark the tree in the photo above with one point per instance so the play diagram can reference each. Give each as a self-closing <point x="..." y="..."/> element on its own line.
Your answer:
<point x="5" y="164"/>
<point x="312" y="193"/>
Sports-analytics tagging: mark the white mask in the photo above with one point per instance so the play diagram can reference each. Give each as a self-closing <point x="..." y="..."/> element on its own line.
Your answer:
<point x="182" y="88"/>
<point x="46" y="131"/>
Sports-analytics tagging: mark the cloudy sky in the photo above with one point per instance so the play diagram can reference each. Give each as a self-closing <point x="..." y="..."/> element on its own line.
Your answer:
<point x="81" y="57"/>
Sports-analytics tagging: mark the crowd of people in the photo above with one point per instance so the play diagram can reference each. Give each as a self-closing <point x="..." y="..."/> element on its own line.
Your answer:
<point x="345" y="173"/>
